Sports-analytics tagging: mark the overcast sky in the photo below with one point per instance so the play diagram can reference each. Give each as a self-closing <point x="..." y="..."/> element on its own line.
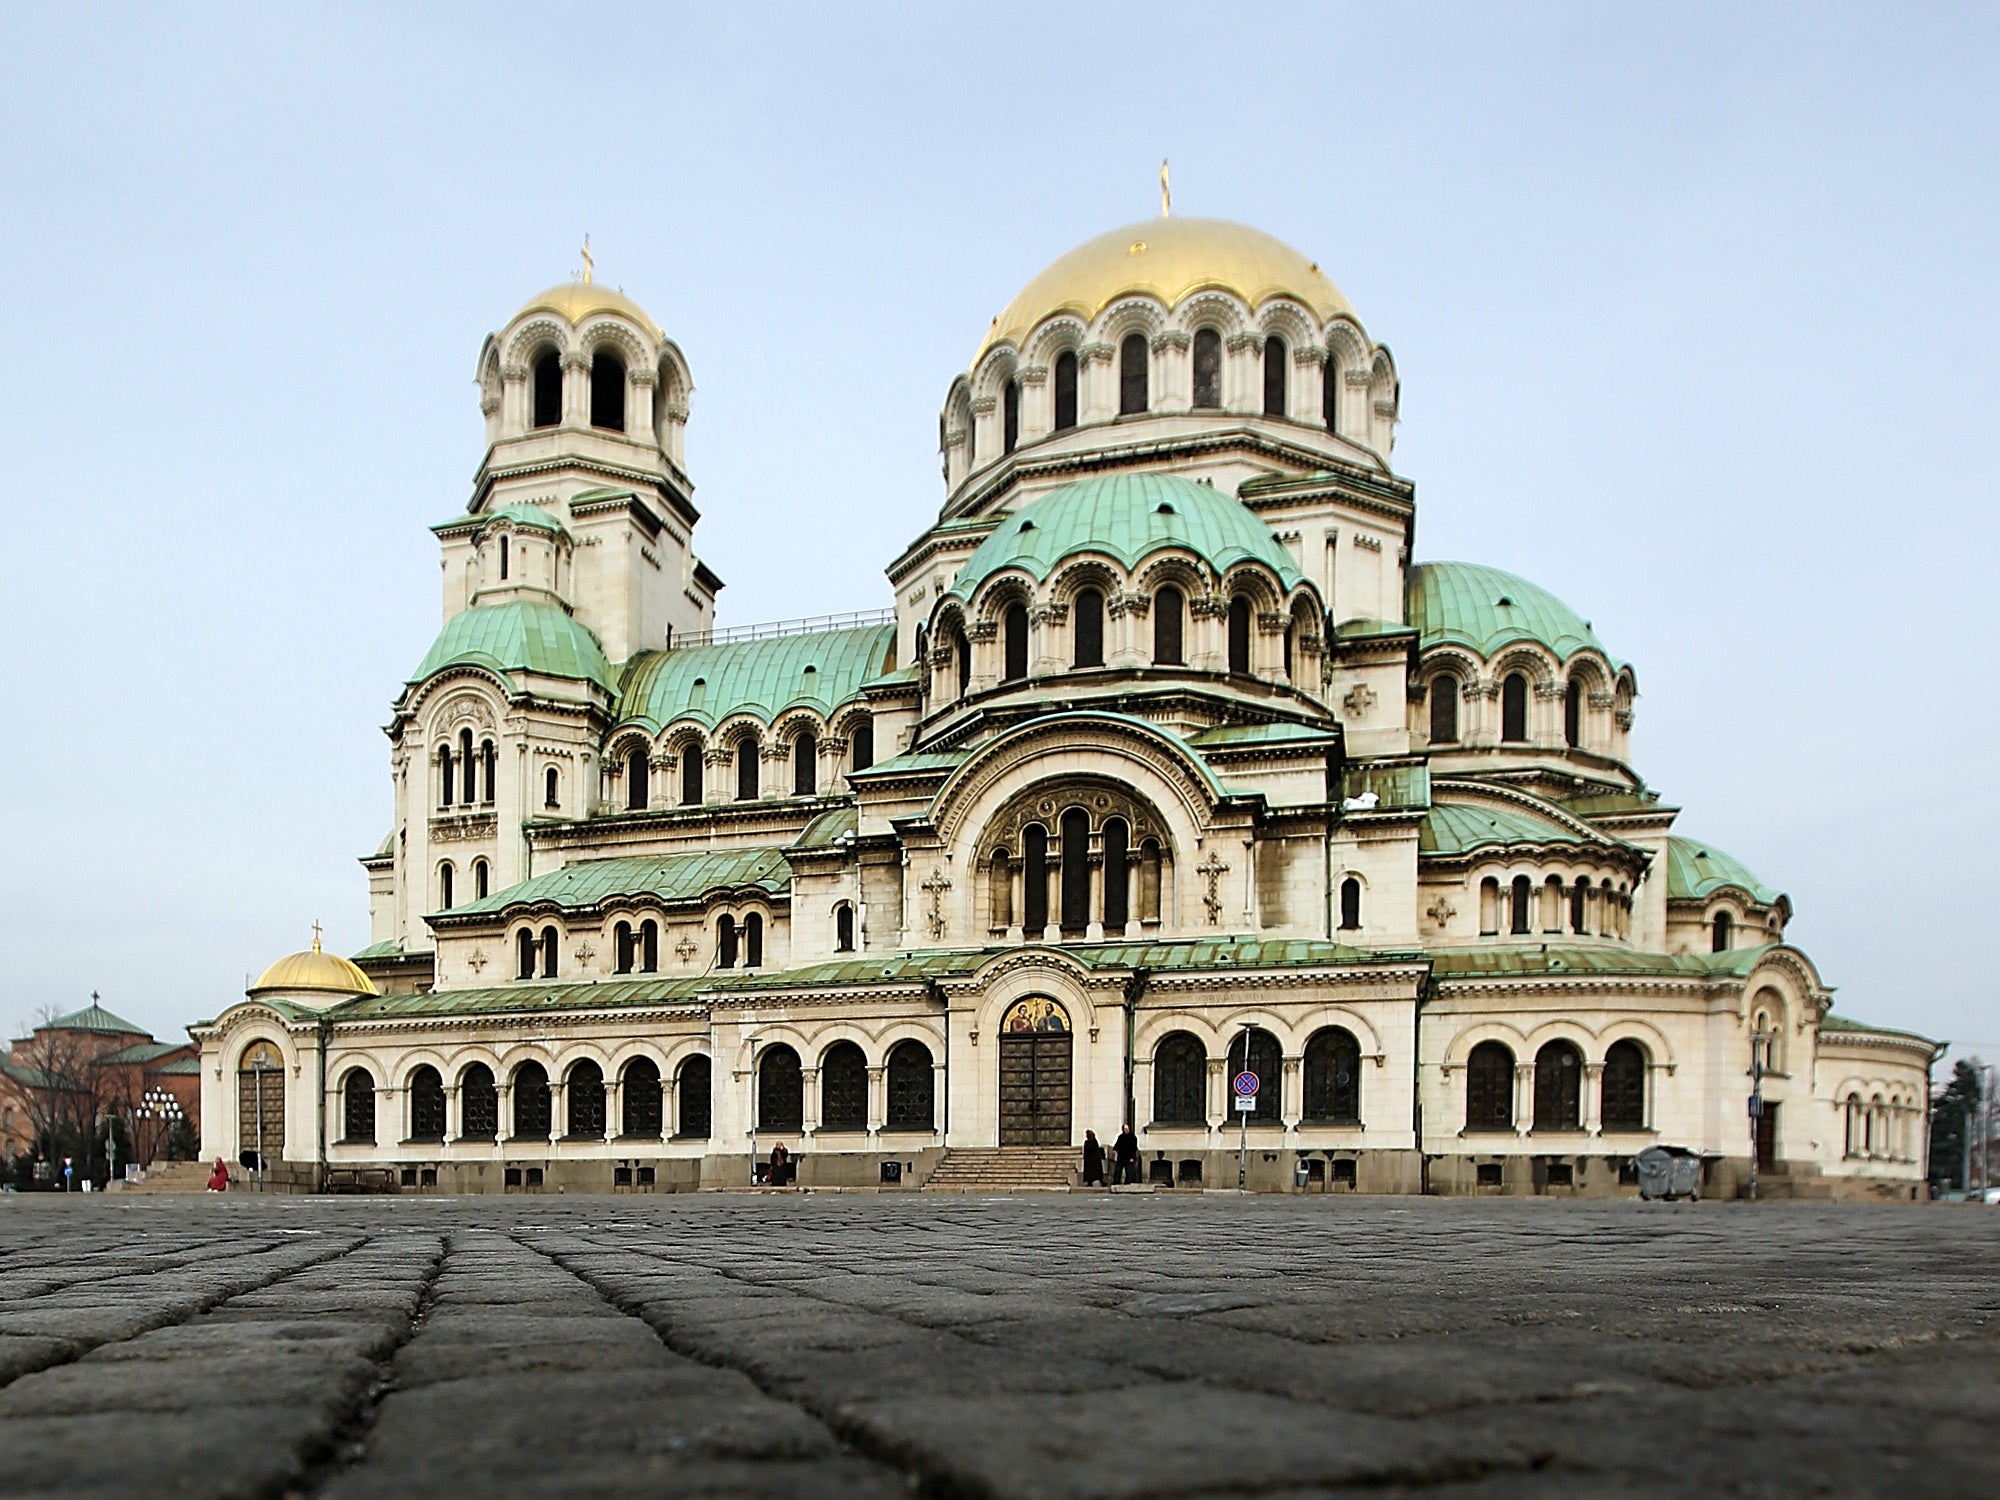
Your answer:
<point x="1694" y="310"/>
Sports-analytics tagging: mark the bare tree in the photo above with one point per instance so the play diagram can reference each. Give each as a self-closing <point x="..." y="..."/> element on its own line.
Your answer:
<point x="63" y="1082"/>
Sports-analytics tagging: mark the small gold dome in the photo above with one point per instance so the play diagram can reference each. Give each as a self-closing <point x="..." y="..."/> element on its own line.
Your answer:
<point x="574" y="301"/>
<point x="325" y="973"/>
<point x="1169" y="258"/>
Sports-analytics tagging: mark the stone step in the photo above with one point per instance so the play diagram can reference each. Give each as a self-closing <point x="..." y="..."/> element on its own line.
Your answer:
<point x="1003" y="1169"/>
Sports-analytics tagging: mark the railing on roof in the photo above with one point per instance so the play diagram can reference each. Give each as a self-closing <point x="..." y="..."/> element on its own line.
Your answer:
<point x="853" y="620"/>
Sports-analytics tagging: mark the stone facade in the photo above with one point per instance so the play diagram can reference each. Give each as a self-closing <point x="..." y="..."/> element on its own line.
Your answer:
<point x="1167" y="764"/>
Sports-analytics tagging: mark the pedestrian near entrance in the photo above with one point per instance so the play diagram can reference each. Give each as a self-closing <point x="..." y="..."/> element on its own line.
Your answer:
<point x="1093" y="1159"/>
<point x="218" y="1180"/>
<point x="1126" y="1150"/>
<point x="781" y="1163"/>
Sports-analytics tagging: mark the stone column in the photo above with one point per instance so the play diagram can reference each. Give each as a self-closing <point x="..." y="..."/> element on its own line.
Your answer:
<point x="503" y="1109"/>
<point x="1018" y="892"/>
<point x="877" y="1100"/>
<point x="1524" y="1098"/>
<point x="1038" y="415"/>
<point x="1593" y="1096"/>
<point x="558" y="1115"/>
<point x="614" y="1111"/>
<point x="1302" y="395"/>
<point x="1172" y="375"/>
<point x="639" y="403"/>
<point x="576" y="388"/>
<point x="809" y="1104"/>
<point x="514" y="397"/>
<point x="986" y="432"/>
<point x="1094" y="929"/>
<point x="1096" y="383"/>
<point x="1291" y="1107"/>
<point x="1218" y="1093"/>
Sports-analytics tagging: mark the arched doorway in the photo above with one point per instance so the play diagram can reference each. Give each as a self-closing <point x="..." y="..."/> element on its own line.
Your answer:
<point x="1034" y="1074"/>
<point x="260" y="1102"/>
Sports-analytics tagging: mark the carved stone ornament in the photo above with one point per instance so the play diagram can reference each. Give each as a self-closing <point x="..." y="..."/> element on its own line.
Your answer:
<point x="981" y="631"/>
<point x="1041" y="805"/>
<point x="1172" y="338"/>
<point x="1032" y="374"/>
<point x="982" y="405"/>
<point x="1366" y="542"/>
<point x="1270" y="622"/>
<point x="449" y="829"/>
<point x="1129" y="602"/>
<point x="1441" y="911"/>
<point x="1213" y="869"/>
<point x="477" y="960"/>
<point x="1602" y="700"/>
<point x="1207" y="607"/>
<point x="1359" y="700"/>
<point x="1051" y="612"/>
<point x="1245" y="343"/>
<point x="934" y="889"/>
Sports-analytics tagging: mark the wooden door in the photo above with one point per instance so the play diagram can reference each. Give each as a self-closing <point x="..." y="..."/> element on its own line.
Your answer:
<point x="1767" y="1138"/>
<point x="1034" y="1074"/>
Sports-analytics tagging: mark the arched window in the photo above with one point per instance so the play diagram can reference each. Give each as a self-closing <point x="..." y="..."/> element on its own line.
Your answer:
<point x="1239" y="634"/>
<point x="1857" y="1129"/>
<point x="1558" y="1087"/>
<point x="1132" y="398"/>
<point x="640" y="1101"/>
<point x="1087" y="615"/>
<point x="585" y="1098"/>
<point x="1444" y="710"/>
<point x="548" y="953"/>
<point x="843" y="1088"/>
<point x="691" y="788"/>
<point x="1623" y="1104"/>
<point x="1329" y="393"/>
<point x="1169" y="608"/>
<point x="649" y="946"/>
<point x="843" y="928"/>
<point x="547" y="389"/>
<point x="527" y="950"/>
<point x="1207" y="369"/>
<point x="961" y="655"/>
<point x="805" y="766"/>
<point x="781" y="1089"/>
<point x="1718" y="937"/>
<point x="1034" y="881"/>
<point x="426" y="1105"/>
<point x="468" y="767"/>
<point x="1065" y="390"/>
<point x="1261" y="1058"/>
<point x="637" y="792"/>
<point x="625" y="948"/>
<point x="1522" y="905"/>
<point x="971" y="440"/>
<point x="725" y="942"/>
<point x="1489" y="1088"/>
<point x="444" y="776"/>
<point x="551" y="789"/>
<point x="1075" y="870"/>
<point x="1000" y="892"/>
<point x="482" y="879"/>
<point x="1579" y="906"/>
<point x="691" y="1093"/>
<point x="1014" y="632"/>
<point x="489" y="760"/>
<point x="1489" y="907"/>
<point x="357" y="1097"/>
<point x="912" y="1089"/>
<point x="607" y="391"/>
<point x="1117" y="876"/>
<point x="1333" y="1077"/>
<point x="1552" y="904"/>
<point x="1573" y="713"/>
<point x="753" y="941"/>
<point x="861" y="744"/>
<point x="444" y="886"/>
<point x="478" y="1104"/>
<point x="503" y="559"/>
<point x="1350" y="904"/>
<point x="1151" y="864"/>
<point x="746" y="769"/>
<point x="1180" y="1080"/>
<point x="533" y="1119"/>
<point x="1010" y="417"/>
<point x="1514" y="707"/>
<point x="1274" y="376"/>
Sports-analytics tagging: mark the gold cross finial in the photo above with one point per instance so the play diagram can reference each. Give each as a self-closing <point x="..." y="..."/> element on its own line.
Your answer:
<point x="316" y="931"/>
<point x="588" y="263"/>
<point x="1166" y="193"/>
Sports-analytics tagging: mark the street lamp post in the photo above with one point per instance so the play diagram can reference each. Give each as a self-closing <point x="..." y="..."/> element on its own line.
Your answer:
<point x="1760" y="1045"/>
<point x="752" y="1040"/>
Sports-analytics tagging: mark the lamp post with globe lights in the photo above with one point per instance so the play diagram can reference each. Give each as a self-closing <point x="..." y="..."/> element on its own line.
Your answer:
<point x="163" y="1112"/>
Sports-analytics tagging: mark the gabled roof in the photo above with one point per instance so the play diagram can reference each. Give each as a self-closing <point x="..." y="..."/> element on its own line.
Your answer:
<point x="819" y="670"/>
<point x="1695" y="871"/>
<point x="93" y="1017"/>
<point x="521" y="636"/>
<point x="670" y="877"/>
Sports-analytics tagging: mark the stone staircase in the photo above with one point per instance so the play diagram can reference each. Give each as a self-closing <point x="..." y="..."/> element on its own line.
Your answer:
<point x="173" y="1177"/>
<point x="1006" y="1169"/>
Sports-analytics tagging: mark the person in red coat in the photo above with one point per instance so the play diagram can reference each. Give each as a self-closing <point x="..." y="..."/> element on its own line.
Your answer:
<point x="218" y="1180"/>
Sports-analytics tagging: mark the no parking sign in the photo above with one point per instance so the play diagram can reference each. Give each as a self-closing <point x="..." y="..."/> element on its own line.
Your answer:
<point x="1246" y="1084"/>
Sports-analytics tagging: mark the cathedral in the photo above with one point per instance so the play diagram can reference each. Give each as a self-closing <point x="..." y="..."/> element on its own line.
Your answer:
<point x="1172" y="789"/>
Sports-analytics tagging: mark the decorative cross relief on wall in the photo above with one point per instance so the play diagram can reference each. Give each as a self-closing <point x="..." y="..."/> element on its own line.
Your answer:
<point x="685" y="947"/>
<point x="1441" y="911"/>
<point x="934" y="888"/>
<point x="1360" y="698"/>
<point x="584" y="953"/>
<point x="1214" y="868"/>
<point x="477" y="961"/>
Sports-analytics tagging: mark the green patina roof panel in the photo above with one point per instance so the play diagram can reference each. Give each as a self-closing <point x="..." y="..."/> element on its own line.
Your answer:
<point x="1457" y="828"/>
<point x="1395" y="785"/>
<point x="521" y="636"/>
<point x="1127" y="517"/>
<point x="1486" y="962"/>
<point x="1695" y="870"/>
<point x="93" y="1017"/>
<point x="1849" y="1026"/>
<point x="671" y="877"/>
<point x="820" y="670"/>
<point x="1484" y="609"/>
<point x="1228" y="736"/>
<point x="829" y="828"/>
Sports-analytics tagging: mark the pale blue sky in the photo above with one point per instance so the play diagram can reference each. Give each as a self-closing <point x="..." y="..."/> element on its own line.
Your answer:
<point x="1694" y="309"/>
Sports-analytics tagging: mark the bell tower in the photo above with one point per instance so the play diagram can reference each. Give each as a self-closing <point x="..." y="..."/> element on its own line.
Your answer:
<point x="586" y="406"/>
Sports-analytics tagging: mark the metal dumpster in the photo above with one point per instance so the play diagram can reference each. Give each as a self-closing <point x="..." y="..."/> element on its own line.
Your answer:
<point x="1668" y="1172"/>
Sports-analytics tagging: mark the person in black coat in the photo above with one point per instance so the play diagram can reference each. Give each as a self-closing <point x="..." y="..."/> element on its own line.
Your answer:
<point x="1126" y="1150"/>
<point x="1093" y="1160"/>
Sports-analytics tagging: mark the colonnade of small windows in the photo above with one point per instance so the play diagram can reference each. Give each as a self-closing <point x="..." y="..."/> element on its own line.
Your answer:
<point x="482" y="881"/>
<point x="1557" y="1094"/>
<point x="1444" y="695"/>
<point x="467" y="772"/>
<point x="1329" y="1072"/>
<point x="1877" y="1129"/>
<point x="1108" y="888"/>
<point x="635" y="765"/>
<point x="1523" y="906"/>
<point x="608" y="381"/>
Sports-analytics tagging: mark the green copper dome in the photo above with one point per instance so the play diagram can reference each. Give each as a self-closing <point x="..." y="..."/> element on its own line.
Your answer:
<point x="1127" y="517"/>
<point x="820" y="670"/>
<point x="1485" y="609"/>
<point x="1694" y="871"/>
<point x="519" y="637"/>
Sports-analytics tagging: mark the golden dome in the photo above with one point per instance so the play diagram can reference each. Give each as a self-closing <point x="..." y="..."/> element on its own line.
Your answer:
<point x="326" y="973"/>
<point x="574" y="301"/>
<point x="1168" y="258"/>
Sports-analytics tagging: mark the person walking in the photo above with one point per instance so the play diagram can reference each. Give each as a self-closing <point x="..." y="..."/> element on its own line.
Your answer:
<point x="1126" y="1151"/>
<point x="1093" y="1159"/>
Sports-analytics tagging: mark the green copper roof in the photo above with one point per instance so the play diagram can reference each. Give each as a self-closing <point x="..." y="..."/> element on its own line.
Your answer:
<point x="1456" y="828"/>
<point x="1848" y="1025"/>
<point x="531" y="516"/>
<point x="519" y="637"/>
<point x="1490" y="962"/>
<point x="1126" y="517"/>
<point x="1397" y="785"/>
<point x="1695" y="870"/>
<point x="829" y="828"/>
<point x="765" y="679"/>
<point x="142" y="1052"/>
<point x="387" y="948"/>
<point x="671" y="877"/>
<point x="1228" y="736"/>
<point x="1485" y="609"/>
<point x="93" y="1017"/>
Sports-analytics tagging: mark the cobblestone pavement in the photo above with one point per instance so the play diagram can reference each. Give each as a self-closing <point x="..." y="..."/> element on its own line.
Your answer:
<point x="1031" y="1346"/>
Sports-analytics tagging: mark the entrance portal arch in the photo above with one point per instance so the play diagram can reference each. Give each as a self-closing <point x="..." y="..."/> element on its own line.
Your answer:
<point x="1035" y="1062"/>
